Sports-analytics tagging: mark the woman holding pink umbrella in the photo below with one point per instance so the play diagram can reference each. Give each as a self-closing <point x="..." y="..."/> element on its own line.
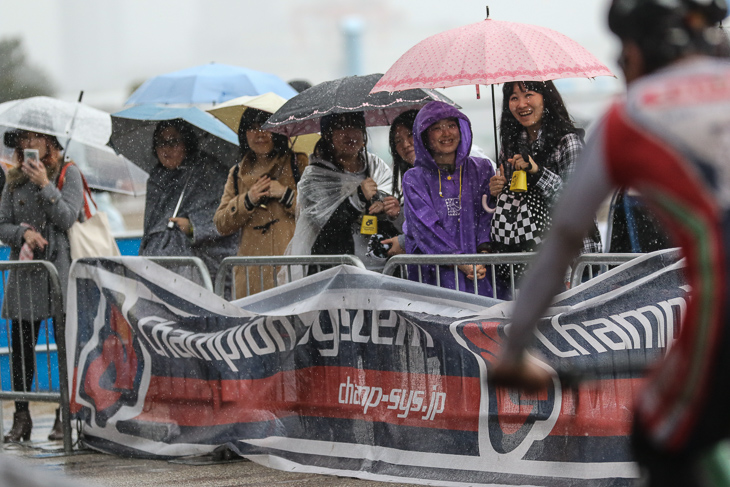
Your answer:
<point x="538" y="137"/>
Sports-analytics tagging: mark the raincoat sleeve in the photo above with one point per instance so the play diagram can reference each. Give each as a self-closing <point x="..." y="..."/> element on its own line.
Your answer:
<point x="424" y="226"/>
<point x="320" y="193"/>
<point x="231" y="214"/>
<point x="381" y="174"/>
<point x="64" y="206"/>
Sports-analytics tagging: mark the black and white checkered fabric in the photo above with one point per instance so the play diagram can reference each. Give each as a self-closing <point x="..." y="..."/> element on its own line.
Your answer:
<point x="519" y="218"/>
<point x="522" y="218"/>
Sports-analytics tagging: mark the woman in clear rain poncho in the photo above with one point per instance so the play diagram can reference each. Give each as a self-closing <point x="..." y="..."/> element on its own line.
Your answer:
<point x="200" y="179"/>
<point x="342" y="183"/>
<point x="259" y="198"/>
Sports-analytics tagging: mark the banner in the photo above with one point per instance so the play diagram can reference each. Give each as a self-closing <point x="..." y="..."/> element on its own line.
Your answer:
<point x="353" y="373"/>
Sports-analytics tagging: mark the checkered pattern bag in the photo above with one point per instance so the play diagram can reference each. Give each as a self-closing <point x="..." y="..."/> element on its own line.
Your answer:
<point x="520" y="218"/>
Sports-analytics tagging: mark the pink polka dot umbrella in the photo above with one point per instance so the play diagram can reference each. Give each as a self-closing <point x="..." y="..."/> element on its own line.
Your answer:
<point x="487" y="53"/>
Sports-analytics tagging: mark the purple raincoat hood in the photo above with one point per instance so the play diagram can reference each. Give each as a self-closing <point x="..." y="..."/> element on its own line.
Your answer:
<point x="429" y="115"/>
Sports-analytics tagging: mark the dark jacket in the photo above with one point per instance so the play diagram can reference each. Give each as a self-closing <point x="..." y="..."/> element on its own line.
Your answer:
<point x="202" y="196"/>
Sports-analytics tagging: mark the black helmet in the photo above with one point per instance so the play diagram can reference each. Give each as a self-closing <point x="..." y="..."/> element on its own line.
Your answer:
<point x="668" y="29"/>
<point x="628" y="18"/>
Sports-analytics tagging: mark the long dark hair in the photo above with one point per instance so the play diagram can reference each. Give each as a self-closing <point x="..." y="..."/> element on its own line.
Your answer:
<point x="254" y="118"/>
<point x="329" y="123"/>
<point x="400" y="165"/>
<point x="190" y="140"/>
<point x="556" y="121"/>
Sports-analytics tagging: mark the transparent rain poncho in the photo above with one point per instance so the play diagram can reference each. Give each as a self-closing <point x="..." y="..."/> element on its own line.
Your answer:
<point x="319" y="193"/>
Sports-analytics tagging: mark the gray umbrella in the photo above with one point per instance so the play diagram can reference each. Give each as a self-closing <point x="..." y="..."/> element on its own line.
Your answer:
<point x="301" y="114"/>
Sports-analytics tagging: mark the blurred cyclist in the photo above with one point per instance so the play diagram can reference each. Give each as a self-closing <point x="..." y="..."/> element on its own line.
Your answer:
<point x="670" y="139"/>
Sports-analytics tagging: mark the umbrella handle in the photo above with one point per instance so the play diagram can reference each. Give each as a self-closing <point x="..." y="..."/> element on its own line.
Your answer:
<point x="485" y="205"/>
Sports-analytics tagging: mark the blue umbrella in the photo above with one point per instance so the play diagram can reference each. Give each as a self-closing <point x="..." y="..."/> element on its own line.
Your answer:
<point x="133" y="128"/>
<point x="208" y="83"/>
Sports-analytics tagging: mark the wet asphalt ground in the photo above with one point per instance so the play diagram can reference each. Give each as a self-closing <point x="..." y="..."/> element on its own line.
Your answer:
<point x="46" y="462"/>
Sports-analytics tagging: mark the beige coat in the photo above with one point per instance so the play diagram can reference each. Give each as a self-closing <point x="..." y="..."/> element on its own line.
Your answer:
<point x="258" y="235"/>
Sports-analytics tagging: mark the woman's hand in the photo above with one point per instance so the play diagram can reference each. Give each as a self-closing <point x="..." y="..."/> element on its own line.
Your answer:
<point x="522" y="165"/>
<point x="34" y="239"/>
<point x="376" y="208"/>
<point x="183" y="224"/>
<point x="520" y="373"/>
<point x="276" y="189"/>
<point x="395" y="248"/>
<point x="369" y="188"/>
<point x="468" y="269"/>
<point x="260" y="189"/>
<point x="36" y="173"/>
<point x="392" y="206"/>
<point x="497" y="182"/>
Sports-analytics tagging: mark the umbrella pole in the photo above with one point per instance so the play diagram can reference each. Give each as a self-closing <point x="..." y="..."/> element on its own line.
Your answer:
<point x="494" y="121"/>
<point x="71" y="127"/>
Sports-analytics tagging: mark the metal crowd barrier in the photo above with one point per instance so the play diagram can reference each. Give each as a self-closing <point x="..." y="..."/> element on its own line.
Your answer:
<point x="585" y="261"/>
<point x="589" y="261"/>
<point x="454" y="260"/>
<point x="274" y="262"/>
<point x="402" y="263"/>
<point x="179" y="265"/>
<point x="41" y="393"/>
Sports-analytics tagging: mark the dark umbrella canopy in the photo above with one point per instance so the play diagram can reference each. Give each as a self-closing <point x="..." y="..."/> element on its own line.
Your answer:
<point x="133" y="128"/>
<point x="301" y="114"/>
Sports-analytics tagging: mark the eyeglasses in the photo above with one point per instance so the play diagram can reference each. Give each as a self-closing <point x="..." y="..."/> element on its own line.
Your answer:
<point x="168" y="143"/>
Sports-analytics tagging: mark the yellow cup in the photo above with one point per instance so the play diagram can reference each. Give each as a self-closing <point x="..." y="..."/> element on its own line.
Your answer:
<point x="519" y="182"/>
<point x="369" y="225"/>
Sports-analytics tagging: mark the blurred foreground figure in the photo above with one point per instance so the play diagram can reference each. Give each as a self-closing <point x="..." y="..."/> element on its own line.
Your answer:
<point x="15" y="472"/>
<point x="669" y="140"/>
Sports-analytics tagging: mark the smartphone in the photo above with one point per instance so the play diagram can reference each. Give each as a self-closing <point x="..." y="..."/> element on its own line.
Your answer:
<point x="31" y="157"/>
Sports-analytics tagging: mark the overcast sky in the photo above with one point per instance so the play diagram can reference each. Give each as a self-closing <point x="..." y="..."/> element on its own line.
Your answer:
<point x="104" y="47"/>
<point x="110" y="44"/>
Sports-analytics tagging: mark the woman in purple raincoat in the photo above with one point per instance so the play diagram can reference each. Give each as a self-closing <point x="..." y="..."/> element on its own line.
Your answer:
<point x="443" y="193"/>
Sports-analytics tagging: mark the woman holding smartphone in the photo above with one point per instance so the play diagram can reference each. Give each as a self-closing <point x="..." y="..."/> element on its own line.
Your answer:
<point x="34" y="219"/>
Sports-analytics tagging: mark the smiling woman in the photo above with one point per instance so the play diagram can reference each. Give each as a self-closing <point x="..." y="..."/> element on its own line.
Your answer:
<point x="537" y="137"/>
<point x="443" y="195"/>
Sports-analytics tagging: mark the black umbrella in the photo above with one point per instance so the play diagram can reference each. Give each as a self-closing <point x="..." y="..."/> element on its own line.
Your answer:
<point x="301" y="114"/>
